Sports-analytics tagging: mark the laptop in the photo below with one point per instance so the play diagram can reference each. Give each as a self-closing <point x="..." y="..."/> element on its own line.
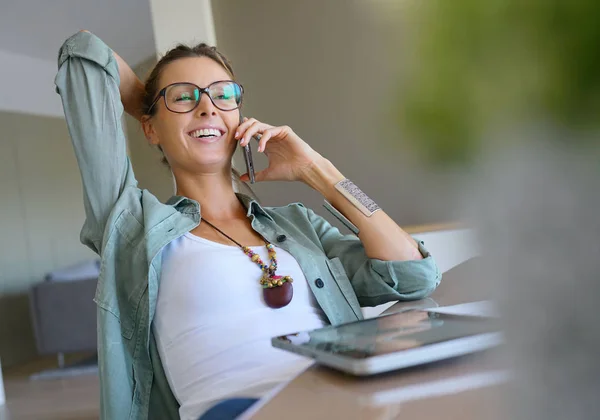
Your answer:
<point x="396" y="341"/>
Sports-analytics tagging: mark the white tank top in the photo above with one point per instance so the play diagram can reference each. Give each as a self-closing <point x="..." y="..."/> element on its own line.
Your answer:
<point x="213" y="329"/>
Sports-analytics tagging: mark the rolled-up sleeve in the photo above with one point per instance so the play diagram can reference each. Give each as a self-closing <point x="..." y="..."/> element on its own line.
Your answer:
<point x="88" y="84"/>
<point x="375" y="281"/>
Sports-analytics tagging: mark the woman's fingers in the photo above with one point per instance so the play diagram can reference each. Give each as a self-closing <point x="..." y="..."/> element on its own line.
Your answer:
<point x="279" y="133"/>
<point x="256" y="128"/>
<point x="270" y="133"/>
<point x="252" y="127"/>
<point x="262" y="143"/>
<point x="249" y="131"/>
<point x="243" y="127"/>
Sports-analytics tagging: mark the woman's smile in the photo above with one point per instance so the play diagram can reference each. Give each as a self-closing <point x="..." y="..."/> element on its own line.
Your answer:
<point x="207" y="134"/>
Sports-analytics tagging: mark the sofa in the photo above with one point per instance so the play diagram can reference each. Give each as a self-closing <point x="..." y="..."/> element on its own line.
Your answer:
<point x="63" y="311"/>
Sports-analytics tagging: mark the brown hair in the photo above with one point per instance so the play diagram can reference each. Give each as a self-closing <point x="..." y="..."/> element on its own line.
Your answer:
<point x="151" y="89"/>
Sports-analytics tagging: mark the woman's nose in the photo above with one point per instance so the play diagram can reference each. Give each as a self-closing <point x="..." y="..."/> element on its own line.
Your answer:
<point x="205" y="106"/>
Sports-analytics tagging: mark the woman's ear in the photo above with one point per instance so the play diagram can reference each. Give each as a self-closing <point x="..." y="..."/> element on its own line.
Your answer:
<point x="149" y="130"/>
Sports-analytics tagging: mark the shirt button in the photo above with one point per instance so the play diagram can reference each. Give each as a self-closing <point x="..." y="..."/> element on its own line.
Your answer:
<point x="319" y="283"/>
<point x="281" y="238"/>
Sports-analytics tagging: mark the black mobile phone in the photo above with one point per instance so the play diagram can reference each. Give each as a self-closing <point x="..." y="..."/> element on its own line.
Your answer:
<point x="248" y="157"/>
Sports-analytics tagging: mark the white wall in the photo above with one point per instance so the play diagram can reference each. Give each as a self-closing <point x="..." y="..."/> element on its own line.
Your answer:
<point x="168" y="20"/>
<point x="28" y="85"/>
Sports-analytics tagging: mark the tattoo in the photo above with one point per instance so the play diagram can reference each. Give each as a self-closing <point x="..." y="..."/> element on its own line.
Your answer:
<point x="358" y="198"/>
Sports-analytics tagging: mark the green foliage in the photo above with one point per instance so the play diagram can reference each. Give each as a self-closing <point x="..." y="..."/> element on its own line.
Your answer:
<point x="473" y="67"/>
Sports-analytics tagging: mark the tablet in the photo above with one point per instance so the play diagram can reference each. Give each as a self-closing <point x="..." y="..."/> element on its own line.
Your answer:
<point x="394" y="341"/>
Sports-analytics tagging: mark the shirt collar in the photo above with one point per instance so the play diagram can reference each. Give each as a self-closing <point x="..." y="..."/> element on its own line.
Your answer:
<point x="189" y="206"/>
<point x="184" y="204"/>
<point x="253" y="206"/>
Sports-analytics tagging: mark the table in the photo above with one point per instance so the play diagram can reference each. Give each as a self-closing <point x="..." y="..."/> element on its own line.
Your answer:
<point x="465" y="388"/>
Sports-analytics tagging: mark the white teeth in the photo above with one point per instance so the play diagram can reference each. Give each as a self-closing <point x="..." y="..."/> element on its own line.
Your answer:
<point x="206" y="132"/>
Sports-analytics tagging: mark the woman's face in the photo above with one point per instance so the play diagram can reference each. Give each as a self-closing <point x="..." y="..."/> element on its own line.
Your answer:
<point x="178" y="135"/>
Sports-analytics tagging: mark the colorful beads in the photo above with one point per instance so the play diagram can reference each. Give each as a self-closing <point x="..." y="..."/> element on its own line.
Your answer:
<point x="269" y="279"/>
<point x="274" y="281"/>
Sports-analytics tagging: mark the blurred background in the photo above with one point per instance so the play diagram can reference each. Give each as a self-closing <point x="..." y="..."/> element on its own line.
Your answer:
<point x="478" y="118"/>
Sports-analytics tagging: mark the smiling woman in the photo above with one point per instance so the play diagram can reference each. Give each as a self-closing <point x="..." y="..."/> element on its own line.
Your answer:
<point x="191" y="291"/>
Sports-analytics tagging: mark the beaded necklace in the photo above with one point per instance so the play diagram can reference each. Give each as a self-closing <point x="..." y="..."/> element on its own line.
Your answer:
<point x="277" y="290"/>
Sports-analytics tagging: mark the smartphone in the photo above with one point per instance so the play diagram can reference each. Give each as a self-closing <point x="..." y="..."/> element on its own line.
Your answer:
<point x="248" y="157"/>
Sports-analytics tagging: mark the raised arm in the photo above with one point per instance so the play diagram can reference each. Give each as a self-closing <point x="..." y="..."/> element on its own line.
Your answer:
<point x="88" y="81"/>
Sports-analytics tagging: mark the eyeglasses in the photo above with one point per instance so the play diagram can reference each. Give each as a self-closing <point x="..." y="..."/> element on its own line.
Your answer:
<point x="183" y="97"/>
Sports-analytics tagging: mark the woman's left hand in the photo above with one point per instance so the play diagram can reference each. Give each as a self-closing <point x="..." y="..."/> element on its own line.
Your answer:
<point x="290" y="158"/>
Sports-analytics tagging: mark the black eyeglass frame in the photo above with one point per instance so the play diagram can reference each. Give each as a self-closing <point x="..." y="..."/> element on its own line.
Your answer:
<point x="202" y="91"/>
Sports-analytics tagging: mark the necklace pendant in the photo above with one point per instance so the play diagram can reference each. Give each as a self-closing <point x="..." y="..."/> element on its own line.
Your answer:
<point x="277" y="291"/>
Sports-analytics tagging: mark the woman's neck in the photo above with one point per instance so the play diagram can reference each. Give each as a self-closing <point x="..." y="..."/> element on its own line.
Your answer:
<point x="214" y="193"/>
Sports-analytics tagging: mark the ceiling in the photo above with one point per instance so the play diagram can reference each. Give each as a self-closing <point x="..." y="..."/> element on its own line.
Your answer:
<point x="37" y="28"/>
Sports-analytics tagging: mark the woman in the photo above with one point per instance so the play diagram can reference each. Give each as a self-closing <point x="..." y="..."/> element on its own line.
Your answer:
<point x="191" y="291"/>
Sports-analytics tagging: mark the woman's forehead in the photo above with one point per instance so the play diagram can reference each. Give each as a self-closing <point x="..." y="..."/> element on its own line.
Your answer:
<point x="201" y="71"/>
